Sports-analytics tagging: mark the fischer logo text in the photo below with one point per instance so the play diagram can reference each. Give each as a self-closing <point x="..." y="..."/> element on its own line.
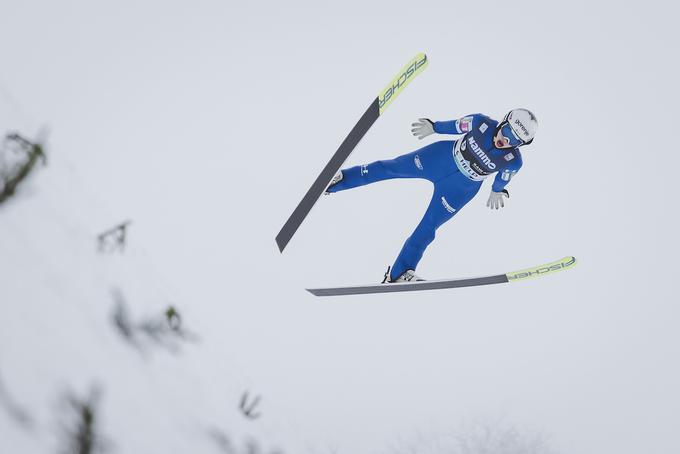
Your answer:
<point x="401" y="80"/>
<point x="542" y="270"/>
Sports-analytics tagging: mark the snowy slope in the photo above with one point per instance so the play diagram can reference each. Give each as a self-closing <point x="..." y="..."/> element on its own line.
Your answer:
<point x="57" y="334"/>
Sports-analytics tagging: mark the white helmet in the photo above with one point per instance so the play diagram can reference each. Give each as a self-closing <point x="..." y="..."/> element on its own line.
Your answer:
<point x="523" y="123"/>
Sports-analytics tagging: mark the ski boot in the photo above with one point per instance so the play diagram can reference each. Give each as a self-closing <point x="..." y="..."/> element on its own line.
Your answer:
<point x="406" y="276"/>
<point x="336" y="179"/>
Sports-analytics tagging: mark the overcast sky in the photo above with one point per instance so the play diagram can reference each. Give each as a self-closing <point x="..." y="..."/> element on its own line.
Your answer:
<point x="205" y="122"/>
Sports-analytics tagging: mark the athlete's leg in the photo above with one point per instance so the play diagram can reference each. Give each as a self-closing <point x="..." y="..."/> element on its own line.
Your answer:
<point x="430" y="162"/>
<point x="450" y="195"/>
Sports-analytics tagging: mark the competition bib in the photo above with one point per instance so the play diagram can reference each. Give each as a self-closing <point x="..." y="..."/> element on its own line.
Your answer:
<point x="466" y="160"/>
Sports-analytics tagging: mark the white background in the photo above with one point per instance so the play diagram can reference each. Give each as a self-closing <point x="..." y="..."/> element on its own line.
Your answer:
<point x="205" y="122"/>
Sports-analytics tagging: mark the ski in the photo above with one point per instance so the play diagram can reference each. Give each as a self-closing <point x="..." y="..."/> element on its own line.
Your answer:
<point x="514" y="276"/>
<point x="414" y="67"/>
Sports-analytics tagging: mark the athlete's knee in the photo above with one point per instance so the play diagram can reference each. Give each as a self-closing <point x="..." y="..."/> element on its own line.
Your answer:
<point x="421" y="238"/>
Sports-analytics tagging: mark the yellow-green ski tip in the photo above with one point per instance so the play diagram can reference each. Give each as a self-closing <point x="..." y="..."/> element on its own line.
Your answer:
<point x="405" y="76"/>
<point x="542" y="270"/>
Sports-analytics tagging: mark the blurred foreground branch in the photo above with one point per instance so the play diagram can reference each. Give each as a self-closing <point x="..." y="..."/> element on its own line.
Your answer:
<point x="166" y="329"/>
<point x="113" y="239"/>
<point x="81" y="424"/>
<point x="18" y="157"/>
<point x="247" y="406"/>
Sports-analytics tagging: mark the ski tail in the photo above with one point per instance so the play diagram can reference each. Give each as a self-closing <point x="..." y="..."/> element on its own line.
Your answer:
<point x="414" y="67"/>
<point x="321" y="183"/>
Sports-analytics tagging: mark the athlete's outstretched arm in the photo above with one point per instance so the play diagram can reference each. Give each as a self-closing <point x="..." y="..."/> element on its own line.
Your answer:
<point x="424" y="126"/>
<point x="498" y="190"/>
<point x="504" y="176"/>
<point x="460" y="126"/>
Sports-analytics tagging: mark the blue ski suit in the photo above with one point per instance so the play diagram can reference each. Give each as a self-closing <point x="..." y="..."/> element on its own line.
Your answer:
<point x="456" y="168"/>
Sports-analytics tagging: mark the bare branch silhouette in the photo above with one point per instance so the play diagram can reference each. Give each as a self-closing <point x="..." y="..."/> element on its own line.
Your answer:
<point x="81" y="430"/>
<point x="165" y="330"/>
<point x="120" y="318"/>
<point x="114" y="238"/>
<point x="247" y="407"/>
<point x="18" y="157"/>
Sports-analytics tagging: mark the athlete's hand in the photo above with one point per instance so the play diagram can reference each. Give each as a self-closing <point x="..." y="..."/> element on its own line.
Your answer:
<point x="422" y="128"/>
<point x="496" y="199"/>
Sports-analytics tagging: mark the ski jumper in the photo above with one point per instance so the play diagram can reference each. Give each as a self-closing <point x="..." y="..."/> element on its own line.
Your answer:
<point x="456" y="168"/>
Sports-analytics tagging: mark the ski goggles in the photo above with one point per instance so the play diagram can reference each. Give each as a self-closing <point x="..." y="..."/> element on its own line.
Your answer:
<point x="509" y="134"/>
